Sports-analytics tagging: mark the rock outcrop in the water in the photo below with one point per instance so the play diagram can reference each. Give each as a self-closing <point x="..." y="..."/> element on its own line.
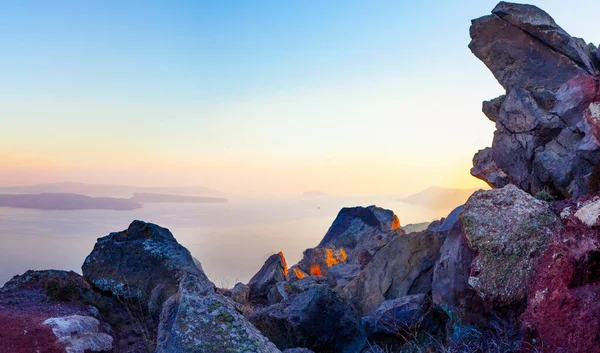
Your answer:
<point x="547" y="123"/>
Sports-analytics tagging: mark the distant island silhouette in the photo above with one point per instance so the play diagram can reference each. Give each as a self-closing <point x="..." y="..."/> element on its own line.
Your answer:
<point x="69" y="201"/>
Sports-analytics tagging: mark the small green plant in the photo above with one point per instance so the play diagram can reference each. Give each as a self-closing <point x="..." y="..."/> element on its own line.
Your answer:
<point x="545" y="194"/>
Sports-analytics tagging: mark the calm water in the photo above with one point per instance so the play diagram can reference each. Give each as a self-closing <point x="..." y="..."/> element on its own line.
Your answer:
<point x="231" y="240"/>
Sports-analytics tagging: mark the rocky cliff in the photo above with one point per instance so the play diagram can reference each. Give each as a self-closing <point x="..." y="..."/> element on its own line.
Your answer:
<point x="547" y="126"/>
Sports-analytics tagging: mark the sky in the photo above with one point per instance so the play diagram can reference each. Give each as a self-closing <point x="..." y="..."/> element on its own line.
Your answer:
<point x="251" y="97"/>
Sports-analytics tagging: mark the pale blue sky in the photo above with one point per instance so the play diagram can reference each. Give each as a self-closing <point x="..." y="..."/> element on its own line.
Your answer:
<point x="284" y="95"/>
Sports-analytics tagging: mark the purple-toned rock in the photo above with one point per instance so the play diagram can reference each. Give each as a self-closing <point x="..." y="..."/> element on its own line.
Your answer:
<point x="450" y="287"/>
<point x="540" y="25"/>
<point x="548" y="123"/>
<point x="516" y="58"/>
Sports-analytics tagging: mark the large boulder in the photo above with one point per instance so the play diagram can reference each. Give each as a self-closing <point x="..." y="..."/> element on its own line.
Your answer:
<point x="198" y="320"/>
<point x="354" y="237"/>
<point x="547" y="126"/>
<point x="274" y="270"/>
<point x="314" y="317"/>
<point x="516" y="58"/>
<point x="540" y="25"/>
<point x="403" y="267"/>
<point x="141" y="264"/>
<point x="508" y="230"/>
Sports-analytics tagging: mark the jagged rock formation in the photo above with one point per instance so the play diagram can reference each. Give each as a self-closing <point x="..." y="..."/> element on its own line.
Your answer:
<point x="547" y="131"/>
<point x="274" y="270"/>
<point x="143" y="263"/>
<point x="403" y="267"/>
<point x="355" y="235"/>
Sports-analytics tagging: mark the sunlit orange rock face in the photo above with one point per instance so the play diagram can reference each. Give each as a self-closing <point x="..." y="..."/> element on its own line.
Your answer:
<point x="395" y="223"/>
<point x="330" y="258"/>
<point x="299" y="274"/>
<point x="284" y="263"/>
<point x="343" y="254"/>
<point x="315" y="270"/>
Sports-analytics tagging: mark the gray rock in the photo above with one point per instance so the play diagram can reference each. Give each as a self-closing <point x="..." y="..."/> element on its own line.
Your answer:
<point x="316" y="318"/>
<point x="272" y="272"/>
<point x="354" y="237"/>
<point x="402" y="317"/>
<point x="403" y="267"/>
<point x="509" y="230"/>
<point x="341" y="275"/>
<point x="240" y="293"/>
<point x="80" y="334"/>
<point x="141" y="264"/>
<point x="298" y="350"/>
<point x="197" y="320"/>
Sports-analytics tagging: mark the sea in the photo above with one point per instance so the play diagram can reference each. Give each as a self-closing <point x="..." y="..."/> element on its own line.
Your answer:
<point x="232" y="240"/>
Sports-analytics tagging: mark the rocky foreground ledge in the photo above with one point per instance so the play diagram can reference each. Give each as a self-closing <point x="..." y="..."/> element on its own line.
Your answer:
<point x="515" y="269"/>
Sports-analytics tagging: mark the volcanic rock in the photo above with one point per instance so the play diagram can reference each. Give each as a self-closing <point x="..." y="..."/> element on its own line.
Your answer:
<point x="196" y="319"/>
<point x="316" y="318"/>
<point x="563" y="310"/>
<point x="450" y="286"/>
<point x="51" y="311"/>
<point x="274" y="270"/>
<point x="508" y="230"/>
<point x="142" y="264"/>
<point x="403" y="267"/>
<point x="402" y="317"/>
<point x="80" y="334"/>
<point x="547" y="123"/>
<point x="355" y="236"/>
